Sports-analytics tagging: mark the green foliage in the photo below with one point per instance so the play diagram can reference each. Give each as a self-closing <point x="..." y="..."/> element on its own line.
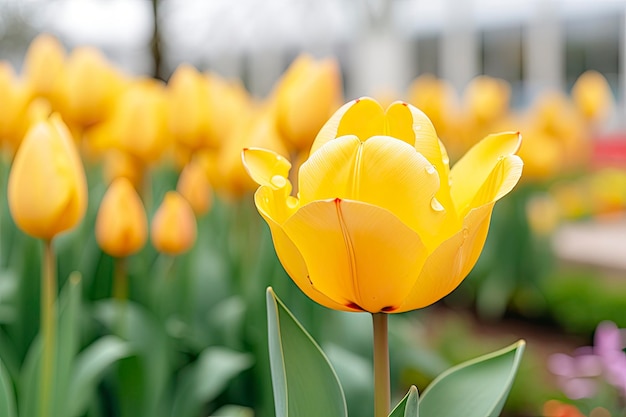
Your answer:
<point x="89" y="368"/>
<point x="477" y="388"/>
<point x="190" y="339"/>
<point x="7" y="393"/>
<point x="409" y="406"/>
<point x="578" y="300"/>
<point x="304" y="382"/>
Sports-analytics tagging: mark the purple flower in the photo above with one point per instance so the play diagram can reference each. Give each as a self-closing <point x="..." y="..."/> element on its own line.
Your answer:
<point x="578" y="375"/>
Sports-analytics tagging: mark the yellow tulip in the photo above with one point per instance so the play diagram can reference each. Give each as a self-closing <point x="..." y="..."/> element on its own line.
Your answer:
<point x="90" y="87"/>
<point x="13" y="105"/>
<point x="259" y="130"/>
<point x="193" y="185"/>
<point x="43" y="64"/>
<point x="173" y="229"/>
<point x="120" y="164"/>
<point x="188" y="107"/>
<point x="487" y="98"/>
<point x="436" y="98"/>
<point x="542" y="154"/>
<point x="316" y="83"/>
<point x="380" y="222"/>
<point x="47" y="188"/>
<point x="555" y="115"/>
<point x="121" y="223"/>
<point x="543" y="214"/>
<point x="138" y="125"/>
<point x="592" y="96"/>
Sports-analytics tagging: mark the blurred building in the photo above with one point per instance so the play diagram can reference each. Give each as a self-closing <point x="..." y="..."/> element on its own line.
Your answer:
<point x="381" y="44"/>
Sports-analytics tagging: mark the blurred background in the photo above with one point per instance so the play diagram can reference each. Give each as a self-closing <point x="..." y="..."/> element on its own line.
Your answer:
<point x="552" y="271"/>
<point x="532" y="44"/>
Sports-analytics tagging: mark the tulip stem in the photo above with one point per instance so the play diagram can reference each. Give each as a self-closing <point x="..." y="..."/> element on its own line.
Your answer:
<point x="48" y="326"/>
<point x="120" y="292"/>
<point x="382" y="386"/>
<point x="120" y="281"/>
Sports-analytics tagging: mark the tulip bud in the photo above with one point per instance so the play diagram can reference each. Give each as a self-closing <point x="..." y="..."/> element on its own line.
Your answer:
<point x="43" y="63"/>
<point x="229" y="104"/>
<point x="47" y="188"/>
<point x="487" y="98"/>
<point x="436" y="98"/>
<point x="193" y="185"/>
<point x="90" y="87"/>
<point x="121" y="224"/>
<point x="592" y="96"/>
<point x="174" y="227"/>
<point x="15" y="96"/>
<point x="316" y="85"/>
<point x="138" y="125"/>
<point x="188" y="106"/>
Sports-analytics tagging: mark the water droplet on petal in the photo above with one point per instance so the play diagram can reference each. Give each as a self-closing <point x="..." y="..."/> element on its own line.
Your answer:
<point x="292" y="202"/>
<point x="430" y="169"/>
<point x="436" y="205"/>
<point x="278" y="181"/>
<point x="465" y="233"/>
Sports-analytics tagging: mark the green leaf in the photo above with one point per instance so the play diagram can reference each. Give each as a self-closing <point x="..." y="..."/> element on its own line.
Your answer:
<point x="8" y="354"/>
<point x="206" y="378"/>
<point x="7" y="394"/>
<point x="233" y="411"/>
<point x="67" y="343"/>
<point x="355" y="375"/>
<point x="476" y="388"/>
<point x="142" y="377"/>
<point x="304" y="382"/>
<point x="88" y="369"/>
<point x="66" y="348"/>
<point x="409" y="406"/>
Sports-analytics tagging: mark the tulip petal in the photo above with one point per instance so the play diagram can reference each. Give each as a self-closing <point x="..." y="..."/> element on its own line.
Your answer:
<point x="358" y="252"/>
<point x="382" y="171"/>
<point x="296" y="268"/>
<point x="362" y="117"/>
<point x="276" y="204"/>
<point x="402" y="122"/>
<point x="40" y="184"/>
<point x="450" y="263"/>
<point x="266" y="167"/>
<point x="473" y="170"/>
<point x="428" y="144"/>
<point x="500" y="182"/>
<point x="47" y="189"/>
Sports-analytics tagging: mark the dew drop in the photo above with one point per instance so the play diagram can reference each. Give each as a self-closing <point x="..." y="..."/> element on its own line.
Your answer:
<point x="436" y="205"/>
<point x="278" y="181"/>
<point x="430" y="169"/>
<point x="465" y="233"/>
<point x="292" y="202"/>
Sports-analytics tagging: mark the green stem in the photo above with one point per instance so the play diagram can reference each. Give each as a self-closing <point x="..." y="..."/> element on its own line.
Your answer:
<point x="48" y="326"/>
<point x="120" y="292"/>
<point x="163" y="273"/>
<point x="382" y="386"/>
<point x="120" y="280"/>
